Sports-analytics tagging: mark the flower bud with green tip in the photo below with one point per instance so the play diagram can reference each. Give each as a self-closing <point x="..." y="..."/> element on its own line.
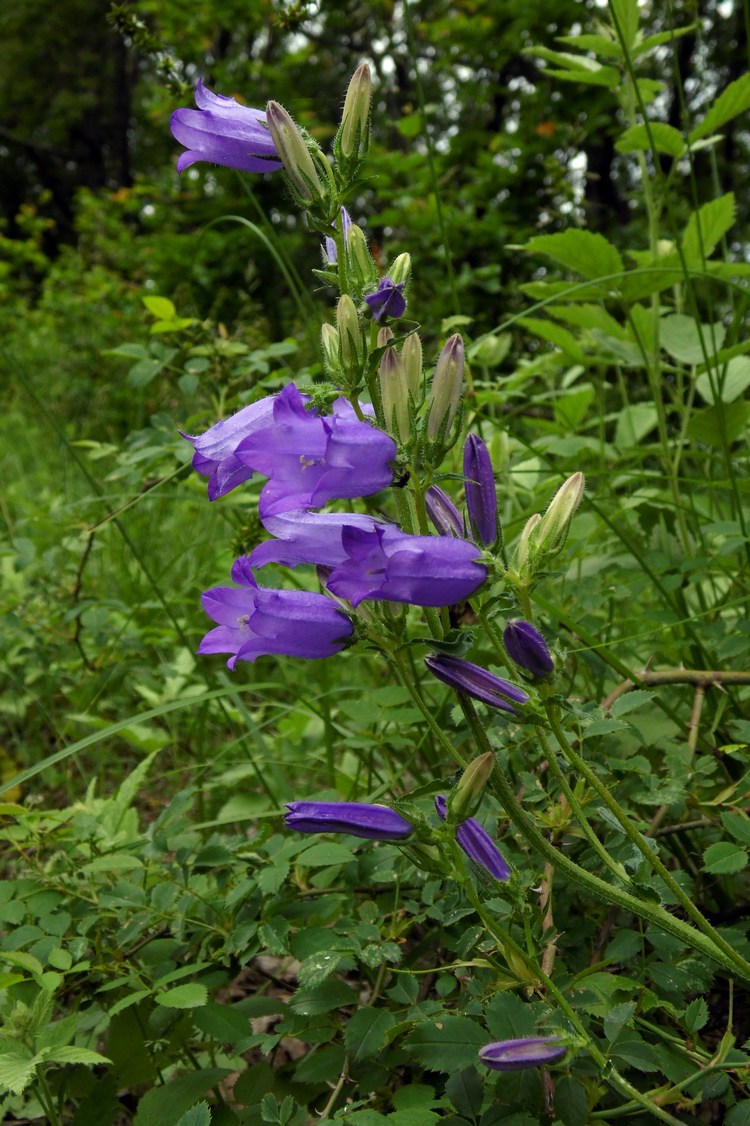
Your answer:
<point x="329" y="339"/>
<point x="394" y="395"/>
<point x="467" y="795"/>
<point x="351" y="344"/>
<point x="295" y="155"/>
<point x="353" y="136"/>
<point x="445" y="391"/>
<point x="362" y="269"/>
<point x="400" y="271"/>
<point x="522" y="561"/>
<point x="551" y="532"/>
<point x="411" y="356"/>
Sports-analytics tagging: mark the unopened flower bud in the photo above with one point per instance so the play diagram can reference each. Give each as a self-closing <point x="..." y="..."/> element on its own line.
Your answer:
<point x="443" y="512"/>
<point x="351" y="349"/>
<point x="411" y="356"/>
<point x="481" y="497"/>
<point x="527" y="648"/>
<point x="385" y="335"/>
<point x="363" y="270"/>
<point x="292" y="148"/>
<point x="468" y="793"/>
<point x="516" y="1055"/>
<point x="394" y="394"/>
<point x="329" y="339"/>
<point x="523" y="552"/>
<point x="400" y="271"/>
<point x="552" y="531"/>
<point x="354" y="132"/>
<point x="476" y="842"/>
<point x="446" y="388"/>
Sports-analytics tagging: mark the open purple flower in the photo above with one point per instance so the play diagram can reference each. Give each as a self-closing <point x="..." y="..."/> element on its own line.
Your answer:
<point x="476" y="843"/>
<point x="388" y="300"/>
<point x="375" y="822"/>
<point x="255" y="621"/>
<point x="307" y="537"/>
<point x="481" y="498"/>
<point x="475" y="681"/>
<point x="223" y="132"/>
<point x="310" y="459"/>
<point x="386" y="564"/>
<point x="515" y="1055"/>
<point x="527" y="648"/>
<point x="215" y="449"/>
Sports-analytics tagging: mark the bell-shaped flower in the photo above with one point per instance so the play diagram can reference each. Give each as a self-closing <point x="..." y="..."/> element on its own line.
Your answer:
<point x="481" y="497"/>
<point x="307" y="537"/>
<point x="476" y="843"/>
<point x="516" y="1055"/>
<point x="527" y="648"/>
<point x="375" y="822"/>
<point x="215" y="449"/>
<point x="255" y="621"/>
<point x="388" y="300"/>
<point x="386" y="564"/>
<point x="475" y="681"/>
<point x="311" y="458"/>
<point x="224" y="132"/>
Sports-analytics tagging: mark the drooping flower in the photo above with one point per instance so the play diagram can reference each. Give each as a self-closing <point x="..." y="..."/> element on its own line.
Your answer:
<point x="375" y="822"/>
<point x="527" y="648"/>
<point x="311" y="458"/>
<point x="481" y="497"/>
<point x="476" y="843"/>
<point x="307" y="537"/>
<point x="515" y="1055"/>
<point x="255" y="621"/>
<point x="442" y="511"/>
<point x="215" y="456"/>
<point x="388" y="300"/>
<point x="386" y="564"/>
<point x="475" y="681"/>
<point x="223" y="132"/>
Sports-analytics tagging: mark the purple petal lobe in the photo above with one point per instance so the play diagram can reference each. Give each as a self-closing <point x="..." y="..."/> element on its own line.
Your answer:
<point x="223" y="132"/>
<point x="375" y="822"/>
<point x="475" y="681"/>
<point x="477" y="843"/>
<point x="516" y="1055"/>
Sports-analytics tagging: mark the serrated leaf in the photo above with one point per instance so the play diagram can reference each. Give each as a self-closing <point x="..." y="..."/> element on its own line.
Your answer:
<point x="688" y="343"/>
<point x="366" y="1033"/>
<point x="189" y="996"/>
<point x="665" y="139"/>
<point x="637" y="1053"/>
<point x="730" y="103"/>
<point x="331" y="994"/>
<point x="509" y="1018"/>
<point x="638" y="698"/>
<point x="466" y="1091"/>
<point x="706" y="227"/>
<point x="16" y="1069"/>
<point x="222" y="1022"/>
<point x="199" y="1115"/>
<point x="727" y="384"/>
<point x="696" y="1015"/>
<point x="724" y="858"/>
<point x="583" y="252"/>
<point x="74" y="1054"/>
<point x="617" y="1018"/>
<point x="325" y="853"/>
<point x="571" y="1102"/>
<point x="161" y="307"/>
<point x="446" y="1043"/>
<point x="165" y="1106"/>
<point x="738" y="825"/>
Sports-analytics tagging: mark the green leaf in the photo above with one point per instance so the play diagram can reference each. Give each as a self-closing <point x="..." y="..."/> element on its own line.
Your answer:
<point x="738" y="825"/>
<point x="583" y="252"/>
<point x="684" y="341"/>
<point x="724" y="858"/>
<point x="730" y="103"/>
<point x="324" y="853"/>
<point x="366" y="1033"/>
<point x="636" y="420"/>
<point x="637" y="1053"/>
<point x="739" y="1114"/>
<point x="73" y="1054"/>
<point x="571" y="1102"/>
<point x="509" y="1018"/>
<point x="465" y="1090"/>
<point x="142" y="373"/>
<point x="706" y="227"/>
<point x="727" y="384"/>
<point x="631" y="701"/>
<point x="222" y="1022"/>
<point x="165" y="1106"/>
<point x="665" y="139"/>
<point x="331" y="994"/>
<point x="161" y="307"/>
<point x="696" y="1015"/>
<point x="199" y="1115"/>
<point x="720" y="425"/>
<point x="189" y="996"/>
<point x="17" y="1069"/>
<point x="410" y="126"/>
<point x="617" y="1018"/>
<point x="130" y="351"/>
<point x="446" y="1043"/>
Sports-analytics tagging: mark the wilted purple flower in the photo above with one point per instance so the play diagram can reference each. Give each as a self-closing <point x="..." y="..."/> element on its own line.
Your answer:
<point x="307" y="537"/>
<point x="331" y="253"/>
<point x="481" y="498"/>
<point x="476" y="843"/>
<point x="475" y="681"/>
<point x="388" y="300"/>
<point x="386" y="564"/>
<point x="310" y="459"/>
<point x="255" y="621"/>
<point x="223" y="132"/>
<point x="527" y="648"/>
<point x="443" y="512"/>
<point x="515" y="1055"/>
<point x="215" y="449"/>
<point x="376" y="822"/>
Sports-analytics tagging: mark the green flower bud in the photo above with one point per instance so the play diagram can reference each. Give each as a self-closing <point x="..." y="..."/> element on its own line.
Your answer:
<point x="351" y="345"/>
<point x="411" y="356"/>
<point x="394" y="394"/>
<point x="295" y="154"/>
<point x="523" y="552"/>
<point x="385" y="334"/>
<point x="446" y="388"/>
<point x="364" y="272"/>
<point x="354" y="132"/>
<point x="400" y="271"/>
<point x="551" y="532"/>
<point x="329" y="339"/>
<point x="468" y="793"/>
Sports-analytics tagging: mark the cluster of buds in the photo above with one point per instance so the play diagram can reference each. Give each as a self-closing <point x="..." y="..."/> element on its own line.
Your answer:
<point x="543" y="537"/>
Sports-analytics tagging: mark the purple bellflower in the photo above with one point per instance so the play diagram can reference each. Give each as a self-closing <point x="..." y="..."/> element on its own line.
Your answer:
<point x="516" y="1055"/>
<point x="215" y="449"/>
<point x="375" y="822"/>
<point x="389" y="565"/>
<point x="527" y="648"/>
<point x="307" y="537"/>
<point x="330" y="243"/>
<point x="310" y="459"/>
<point x="475" y="681"/>
<point x="254" y="621"/>
<point x="481" y="498"/>
<point x="442" y="511"/>
<point x="388" y="300"/>
<point x="476" y="843"/>
<point x="223" y="132"/>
